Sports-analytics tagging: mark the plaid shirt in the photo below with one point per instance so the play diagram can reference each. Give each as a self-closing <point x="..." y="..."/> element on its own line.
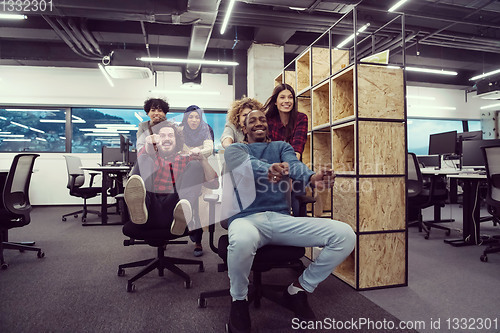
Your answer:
<point x="276" y="131"/>
<point x="163" y="180"/>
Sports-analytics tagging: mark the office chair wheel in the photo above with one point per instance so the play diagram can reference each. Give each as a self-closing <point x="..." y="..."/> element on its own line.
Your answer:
<point x="5" y="265"/>
<point x="75" y="216"/>
<point x="201" y="269"/>
<point x="84" y="219"/>
<point x="63" y="219"/>
<point x="202" y="302"/>
<point x="426" y="236"/>
<point x="121" y="272"/>
<point x="447" y="232"/>
<point x="40" y="254"/>
<point x="484" y="258"/>
<point x="188" y="284"/>
<point x="130" y="287"/>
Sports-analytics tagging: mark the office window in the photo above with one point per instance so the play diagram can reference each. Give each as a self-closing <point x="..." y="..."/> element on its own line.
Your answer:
<point x="29" y="129"/>
<point x="420" y="129"/>
<point x="474" y="125"/>
<point x="97" y="127"/>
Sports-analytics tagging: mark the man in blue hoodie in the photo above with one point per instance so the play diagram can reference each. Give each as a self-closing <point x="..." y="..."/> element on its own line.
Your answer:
<point x="267" y="220"/>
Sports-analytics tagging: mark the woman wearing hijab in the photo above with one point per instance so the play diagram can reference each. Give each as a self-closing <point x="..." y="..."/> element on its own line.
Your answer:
<point x="196" y="131"/>
<point x="197" y="138"/>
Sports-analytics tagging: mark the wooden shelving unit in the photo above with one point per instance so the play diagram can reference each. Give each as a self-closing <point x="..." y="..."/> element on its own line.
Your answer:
<point x="357" y="125"/>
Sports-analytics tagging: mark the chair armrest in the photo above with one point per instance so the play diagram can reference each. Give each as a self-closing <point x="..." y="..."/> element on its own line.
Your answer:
<point x="212" y="200"/>
<point x="92" y="176"/>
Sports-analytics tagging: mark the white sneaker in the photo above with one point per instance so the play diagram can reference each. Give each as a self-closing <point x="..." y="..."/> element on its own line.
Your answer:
<point x="182" y="215"/>
<point x="135" y="198"/>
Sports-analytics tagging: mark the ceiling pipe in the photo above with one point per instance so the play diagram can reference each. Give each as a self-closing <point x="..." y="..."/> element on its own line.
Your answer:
<point x="81" y="38"/>
<point x="75" y="40"/>
<point x="66" y="40"/>
<point x="88" y="35"/>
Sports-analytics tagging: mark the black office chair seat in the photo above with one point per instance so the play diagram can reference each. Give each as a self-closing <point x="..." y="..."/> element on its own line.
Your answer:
<point x="159" y="238"/>
<point x="268" y="256"/>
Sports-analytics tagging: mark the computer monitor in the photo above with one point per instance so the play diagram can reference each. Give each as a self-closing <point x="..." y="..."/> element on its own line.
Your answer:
<point x="429" y="160"/>
<point x="124" y="147"/>
<point x="111" y="155"/>
<point x="443" y="143"/>
<point x="467" y="136"/>
<point x="472" y="155"/>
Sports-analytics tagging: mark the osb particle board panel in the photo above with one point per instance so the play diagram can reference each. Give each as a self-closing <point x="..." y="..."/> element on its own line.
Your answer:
<point x="304" y="106"/>
<point x="343" y="153"/>
<point x="381" y="148"/>
<point x="344" y="201"/>
<point x="323" y="205"/>
<point x="340" y="60"/>
<point x="320" y="67"/>
<point x="382" y="259"/>
<point x="290" y="79"/>
<point x="303" y="71"/>
<point x="321" y="105"/>
<point x="380" y="92"/>
<point x="306" y="154"/>
<point x="321" y="149"/>
<point x="308" y="253"/>
<point x="278" y="79"/>
<point x="346" y="270"/>
<point x="381" y="204"/>
<point x="342" y="96"/>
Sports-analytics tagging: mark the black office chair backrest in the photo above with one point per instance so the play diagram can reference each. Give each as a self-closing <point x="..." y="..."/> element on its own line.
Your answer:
<point x="415" y="180"/>
<point x="15" y="192"/>
<point x="492" y="158"/>
<point x="73" y="164"/>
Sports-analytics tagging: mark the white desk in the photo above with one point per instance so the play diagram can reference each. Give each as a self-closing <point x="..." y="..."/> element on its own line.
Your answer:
<point x="471" y="217"/>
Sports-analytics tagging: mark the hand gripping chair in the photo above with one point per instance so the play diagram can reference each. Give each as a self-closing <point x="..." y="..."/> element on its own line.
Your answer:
<point x="267" y="257"/>
<point x="492" y="159"/>
<point x="420" y="196"/>
<point x="159" y="238"/>
<point x="16" y="205"/>
<point x="76" y="179"/>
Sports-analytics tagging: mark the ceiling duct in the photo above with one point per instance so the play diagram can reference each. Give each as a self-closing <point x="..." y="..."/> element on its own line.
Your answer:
<point x="123" y="64"/>
<point x="206" y="11"/>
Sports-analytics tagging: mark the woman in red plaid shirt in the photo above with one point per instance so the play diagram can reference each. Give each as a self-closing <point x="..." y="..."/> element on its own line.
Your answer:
<point x="287" y="124"/>
<point x="284" y="121"/>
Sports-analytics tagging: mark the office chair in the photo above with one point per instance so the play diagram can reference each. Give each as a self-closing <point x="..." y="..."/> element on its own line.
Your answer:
<point x="267" y="257"/>
<point x="492" y="158"/>
<point x="420" y="196"/>
<point x="76" y="179"/>
<point x="16" y="208"/>
<point x="159" y="238"/>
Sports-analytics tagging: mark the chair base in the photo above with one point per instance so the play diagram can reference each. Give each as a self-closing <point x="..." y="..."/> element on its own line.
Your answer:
<point x="160" y="263"/>
<point x="84" y="213"/>
<point x="256" y="290"/>
<point x="494" y="248"/>
<point x="20" y="246"/>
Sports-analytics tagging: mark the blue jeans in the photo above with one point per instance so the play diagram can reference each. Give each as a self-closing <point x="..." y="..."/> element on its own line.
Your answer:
<point x="249" y="233"/>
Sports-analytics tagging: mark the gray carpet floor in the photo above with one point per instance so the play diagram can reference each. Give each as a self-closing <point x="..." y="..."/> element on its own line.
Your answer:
<point x="75" y="288"/>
